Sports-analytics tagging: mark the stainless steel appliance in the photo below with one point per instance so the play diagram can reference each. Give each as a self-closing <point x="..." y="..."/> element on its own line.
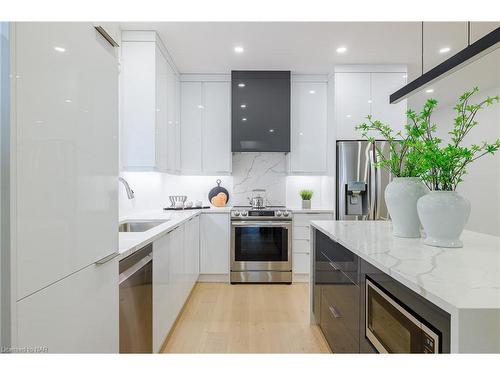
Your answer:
<point x="261" y="245"/>
<point x="392" y="328"/>
<point x="258" y="198"/>
<point x="360" y="185"/>
<point x="136" y="302"/>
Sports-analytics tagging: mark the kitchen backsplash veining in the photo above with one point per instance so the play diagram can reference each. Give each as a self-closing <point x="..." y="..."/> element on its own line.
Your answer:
<point x="250" y="171"/>
<point x="259" y="170"/>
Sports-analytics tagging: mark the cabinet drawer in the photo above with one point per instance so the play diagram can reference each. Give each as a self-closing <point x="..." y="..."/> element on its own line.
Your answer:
<point x="305" y="219"/>
<point x="301" y="233"/>
<point x="342" y="258"/>
<point x="300" y="263"/>
<point x="339" y="318"/>
<point x="301" y="246"/>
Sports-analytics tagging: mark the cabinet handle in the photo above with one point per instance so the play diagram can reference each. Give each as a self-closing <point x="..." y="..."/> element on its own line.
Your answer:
<point x="107" y="258"/>
<point x="333" y="266"/>
<point x="106" y="36"/>
<point x="336" y="314"/>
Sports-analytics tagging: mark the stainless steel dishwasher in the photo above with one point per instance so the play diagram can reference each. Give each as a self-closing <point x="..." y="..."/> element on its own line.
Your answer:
<point x="136" y="302"/>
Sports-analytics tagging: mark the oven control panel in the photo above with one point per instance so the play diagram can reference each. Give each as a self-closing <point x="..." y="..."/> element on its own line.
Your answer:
<point x="261" y="214"/>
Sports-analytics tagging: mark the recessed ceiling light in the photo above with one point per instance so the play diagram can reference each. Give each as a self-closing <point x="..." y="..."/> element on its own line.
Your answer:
<point x="200" y="106"/>
<point x="60" y="49"/>
<point x="244" y="119"/>
<point x="445" y="49"/>
<point x="243" y="106"/>
<point x="348" y="116"/>
<point x="271" y="130"/>
<point x="312" y="92"/>
<point x="370" y="101"/>
<point x="341" y="49"/>
<point x="241" y="85"/>
<point x="239" y="49"/>
<point x="428" y="91"/>
<point x="301" y="133"/>
<point x="67" y="101"/>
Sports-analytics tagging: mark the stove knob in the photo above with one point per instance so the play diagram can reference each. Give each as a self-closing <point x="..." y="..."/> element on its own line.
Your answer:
<point x="279" y="213"/>
<point x="236" y="213"/>
<point x="286" y="213"/>
<point x="244" y="213"/>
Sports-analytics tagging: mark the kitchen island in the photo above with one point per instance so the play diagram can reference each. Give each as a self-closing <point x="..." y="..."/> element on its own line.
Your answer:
<point x="464" y="282"/>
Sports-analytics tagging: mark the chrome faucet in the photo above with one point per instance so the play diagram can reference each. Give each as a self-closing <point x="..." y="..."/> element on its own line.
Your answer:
<point x="130" y="192"/>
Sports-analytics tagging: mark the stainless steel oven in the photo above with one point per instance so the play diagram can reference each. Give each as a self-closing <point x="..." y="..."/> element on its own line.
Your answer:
<point x="392" y="328"/>
<point x="261" y="247"/>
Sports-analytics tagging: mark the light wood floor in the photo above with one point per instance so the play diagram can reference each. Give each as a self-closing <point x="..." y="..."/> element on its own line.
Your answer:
<point x="224" y="318"/>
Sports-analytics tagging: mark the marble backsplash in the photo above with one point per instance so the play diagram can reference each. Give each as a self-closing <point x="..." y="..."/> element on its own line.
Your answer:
<point x="259" y="170"/>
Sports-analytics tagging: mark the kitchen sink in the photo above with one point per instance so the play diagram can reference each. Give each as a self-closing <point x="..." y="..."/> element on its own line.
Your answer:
<point x="139" y="226"/>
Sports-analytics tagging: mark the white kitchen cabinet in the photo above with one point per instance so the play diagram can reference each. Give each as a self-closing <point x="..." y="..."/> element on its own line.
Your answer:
<point x="191" y="129"/>
<point x="191" y="252"/>
<point x="206" y="126"/>
<point x="150" y="131"/>
<point x="163" y="291"/>
<point x="216" y="128"/>
<point x="78" y="314"/>
<point x="359" y="94"/>
<point x="480" y="29"/>
<point x="161" y="110"/>
<point x="66" y="146"/>
<point x="382" y="86"/>
<point x="175" y="272"/>
<point x="214" y="243"/>
<point x="309" y="127"/>
<point x="301" y="243"/>
<point x="352" y="103"/>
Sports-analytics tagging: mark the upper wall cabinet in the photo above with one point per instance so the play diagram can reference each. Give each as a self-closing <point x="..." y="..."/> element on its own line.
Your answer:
<point x="309" y="125"/>
<point x="480" y="29"/>
<point x="361" y="91"/>
<point x="206" y="125"/>
<point x="150" y="131"/>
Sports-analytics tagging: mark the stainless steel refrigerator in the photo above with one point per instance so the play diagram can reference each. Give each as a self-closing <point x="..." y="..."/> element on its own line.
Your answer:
<point x="360" y="185"/>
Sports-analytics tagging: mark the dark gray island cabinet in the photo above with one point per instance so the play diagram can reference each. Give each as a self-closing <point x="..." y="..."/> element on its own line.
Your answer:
<point x="361" y="309"/>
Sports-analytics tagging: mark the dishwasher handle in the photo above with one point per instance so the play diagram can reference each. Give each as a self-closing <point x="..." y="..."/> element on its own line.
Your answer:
<point x="125" y="275"/>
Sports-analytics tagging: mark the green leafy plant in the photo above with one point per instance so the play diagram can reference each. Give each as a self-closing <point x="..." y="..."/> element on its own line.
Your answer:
<point x="445" y="165"/>
<point x="403" y="160"/>
<point x="306" y="195"/>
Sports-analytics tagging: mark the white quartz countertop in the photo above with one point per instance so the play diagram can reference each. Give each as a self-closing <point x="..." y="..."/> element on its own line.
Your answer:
<point x="129" y="242"/>
<point x="453" y="279"/>
<point x="320" y="210"/>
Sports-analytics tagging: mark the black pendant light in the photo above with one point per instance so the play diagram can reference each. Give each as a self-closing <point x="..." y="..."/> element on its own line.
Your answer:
<point x="472" y="52"/>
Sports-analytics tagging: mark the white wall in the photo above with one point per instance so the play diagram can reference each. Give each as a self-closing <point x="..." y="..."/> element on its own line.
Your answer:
<point x="481" y="186"/>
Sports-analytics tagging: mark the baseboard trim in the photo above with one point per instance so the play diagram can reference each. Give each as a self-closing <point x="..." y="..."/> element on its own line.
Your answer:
<point x="300" y="278"/>
<point x="211" y="278"/>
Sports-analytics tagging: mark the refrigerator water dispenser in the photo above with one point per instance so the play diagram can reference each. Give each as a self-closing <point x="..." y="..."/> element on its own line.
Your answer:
<point x="356" y="198"/>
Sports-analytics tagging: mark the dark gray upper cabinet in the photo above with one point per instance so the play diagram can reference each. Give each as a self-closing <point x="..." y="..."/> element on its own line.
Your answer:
<point x="260" y="111"/>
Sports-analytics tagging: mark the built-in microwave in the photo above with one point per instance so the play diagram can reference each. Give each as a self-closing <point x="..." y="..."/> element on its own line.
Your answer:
<point x="392" y="328"/>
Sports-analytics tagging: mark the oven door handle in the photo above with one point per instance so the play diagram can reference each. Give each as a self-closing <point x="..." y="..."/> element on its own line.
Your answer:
<point x="261" y="224"/>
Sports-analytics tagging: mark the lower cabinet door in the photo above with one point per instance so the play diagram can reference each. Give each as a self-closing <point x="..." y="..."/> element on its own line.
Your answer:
<point x="301" y="263"/>
<point x="340" y="314"/>
<point x="78" y="314"/>
<point x="163" y="312"/>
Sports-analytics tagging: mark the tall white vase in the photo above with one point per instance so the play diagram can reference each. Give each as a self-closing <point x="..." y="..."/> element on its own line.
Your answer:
<point x="443" y="215"/>
<point x="401" y="197"/>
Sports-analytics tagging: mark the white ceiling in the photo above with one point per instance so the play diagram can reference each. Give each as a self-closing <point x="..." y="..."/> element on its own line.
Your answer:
<point x="303" y="47"/>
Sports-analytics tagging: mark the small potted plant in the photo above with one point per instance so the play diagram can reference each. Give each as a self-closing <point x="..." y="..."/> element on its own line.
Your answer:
<point x="403" y="163"/>
<point x="444" y="212"/>
<point x="306" y="196"/>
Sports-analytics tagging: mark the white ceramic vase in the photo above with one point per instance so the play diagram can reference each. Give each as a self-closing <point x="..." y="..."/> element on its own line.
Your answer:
<point x="401" y="196"/>
<point x="443" y="215"/>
